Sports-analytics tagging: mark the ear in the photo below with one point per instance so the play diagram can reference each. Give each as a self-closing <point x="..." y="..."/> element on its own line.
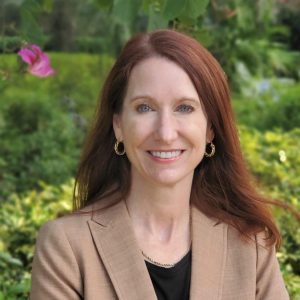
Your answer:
<point x="209" y="133"/>
<point x="117" y="127"/>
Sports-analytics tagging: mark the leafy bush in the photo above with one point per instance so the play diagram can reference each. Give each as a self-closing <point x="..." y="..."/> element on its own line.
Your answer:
<point x="20" y="220"/>
<point x="40" y="123"/>
<point x="269" y="104"/>
<point x="273" y="158"/>
<point x="35" y="138"/>
<point x="10" y="43"/>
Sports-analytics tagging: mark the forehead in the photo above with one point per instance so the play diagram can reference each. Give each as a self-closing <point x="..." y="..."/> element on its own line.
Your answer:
<point x="160" y="77"/>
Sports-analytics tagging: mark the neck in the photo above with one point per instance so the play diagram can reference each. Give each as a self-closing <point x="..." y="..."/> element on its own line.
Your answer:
<point x="160" y="213"/>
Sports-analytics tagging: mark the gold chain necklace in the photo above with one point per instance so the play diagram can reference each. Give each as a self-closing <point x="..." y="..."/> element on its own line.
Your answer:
<point x="157" y="263"/>
<point x="169" y="265"/>
<point x="161" y="264"/>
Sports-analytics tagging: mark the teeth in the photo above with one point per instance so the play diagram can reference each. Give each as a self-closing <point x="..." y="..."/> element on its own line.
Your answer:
<point x="166" y="154"/>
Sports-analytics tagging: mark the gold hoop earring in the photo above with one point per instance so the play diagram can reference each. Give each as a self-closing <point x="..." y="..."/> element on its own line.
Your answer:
<point x="212" y="150"/>
<point x="116" y="147"/>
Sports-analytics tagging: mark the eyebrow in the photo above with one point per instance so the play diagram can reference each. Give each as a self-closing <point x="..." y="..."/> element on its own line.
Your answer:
<point x="181" y="99"/>
<point x="138" y="97"/>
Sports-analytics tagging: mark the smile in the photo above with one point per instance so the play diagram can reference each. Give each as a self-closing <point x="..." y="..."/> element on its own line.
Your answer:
<point x="166" y="154"/>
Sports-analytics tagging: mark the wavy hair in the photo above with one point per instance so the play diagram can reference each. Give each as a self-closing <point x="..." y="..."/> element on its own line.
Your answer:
<point x="222" y="186"/>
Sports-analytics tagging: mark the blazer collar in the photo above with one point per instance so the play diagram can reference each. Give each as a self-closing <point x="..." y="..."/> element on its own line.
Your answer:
<point x="116" y="243"/>
<point x="209" y="250"/>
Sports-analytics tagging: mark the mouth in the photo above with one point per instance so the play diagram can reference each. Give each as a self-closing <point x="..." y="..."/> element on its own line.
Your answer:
<point x="171" y="154"/>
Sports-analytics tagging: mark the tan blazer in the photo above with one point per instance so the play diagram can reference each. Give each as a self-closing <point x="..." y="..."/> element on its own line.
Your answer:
<point x="97" y="258"/>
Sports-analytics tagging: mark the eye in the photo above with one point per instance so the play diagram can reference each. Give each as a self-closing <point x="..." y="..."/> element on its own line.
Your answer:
<point x="185" y="108"/>
<point x="142" y="108"/>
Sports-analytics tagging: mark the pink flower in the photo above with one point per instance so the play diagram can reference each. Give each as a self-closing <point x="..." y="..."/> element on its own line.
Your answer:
<point x="38" y="61"/>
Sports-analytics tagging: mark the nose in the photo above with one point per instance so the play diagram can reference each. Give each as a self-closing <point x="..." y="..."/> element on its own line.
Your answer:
<point x="166" y="127"/>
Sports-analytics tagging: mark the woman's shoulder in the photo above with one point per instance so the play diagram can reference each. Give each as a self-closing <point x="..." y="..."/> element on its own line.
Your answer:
<point x="68" y="229"/>
<point x="75" y="221"/>
<point x="234" y="238"/>
<point x="256" y="241"/>
<point x="74" y="226"/>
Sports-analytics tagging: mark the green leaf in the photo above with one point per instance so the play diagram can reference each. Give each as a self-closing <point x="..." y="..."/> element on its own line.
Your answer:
<point x="205" y="37"/>
<point x="31" y="29"/>
<point x="155" y="18"/>
<point x="173" y="8"/>
<point x="187" y="9"/>
<point x="23" y="287"/>
<point x="194" y="8"/>
<point x="126" y="11"/>
<point x="6" y="257"/>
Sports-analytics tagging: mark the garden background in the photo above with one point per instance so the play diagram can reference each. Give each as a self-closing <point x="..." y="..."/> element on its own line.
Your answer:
<point x="43" y="121"/>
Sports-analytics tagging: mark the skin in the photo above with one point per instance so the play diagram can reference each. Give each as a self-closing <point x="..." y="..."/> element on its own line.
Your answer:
<point x="162" y="112"/>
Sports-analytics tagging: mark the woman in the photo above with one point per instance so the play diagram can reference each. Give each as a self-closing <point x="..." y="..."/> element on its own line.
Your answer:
<point x="164" y="204"/>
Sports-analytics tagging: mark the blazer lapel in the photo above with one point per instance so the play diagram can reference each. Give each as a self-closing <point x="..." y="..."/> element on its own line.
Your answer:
<point x="115" y="241"/>
<point x="209" y="244"/>
<point x="114" y="238"/>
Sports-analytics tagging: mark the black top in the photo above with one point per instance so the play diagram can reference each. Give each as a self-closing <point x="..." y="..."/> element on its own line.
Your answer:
<point x="172" y="283"/>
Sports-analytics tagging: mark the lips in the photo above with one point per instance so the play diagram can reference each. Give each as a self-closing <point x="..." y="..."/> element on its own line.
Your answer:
<point x="166" y="154"/>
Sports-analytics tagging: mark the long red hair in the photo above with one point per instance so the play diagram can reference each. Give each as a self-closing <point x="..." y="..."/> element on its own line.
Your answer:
<point x="222" y="186"/>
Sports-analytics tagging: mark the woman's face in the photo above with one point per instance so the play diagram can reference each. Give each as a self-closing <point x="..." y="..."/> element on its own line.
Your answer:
<point x="162" y="123"/>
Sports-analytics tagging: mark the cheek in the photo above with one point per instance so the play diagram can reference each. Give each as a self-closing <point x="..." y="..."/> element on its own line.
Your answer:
<point x="195" y="131"/>
<point x="135" y="134"/>
<point x="137" y="128"/>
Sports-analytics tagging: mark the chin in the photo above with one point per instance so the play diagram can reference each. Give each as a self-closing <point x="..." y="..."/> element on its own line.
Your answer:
<point x="171" y="180"/>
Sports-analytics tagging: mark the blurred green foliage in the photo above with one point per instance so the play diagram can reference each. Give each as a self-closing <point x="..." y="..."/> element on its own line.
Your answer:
<point x="269" y="104"/>
<point x="40" y="123"/>
<point x="30" y="120"/>
<point x="273" y="157"/>
<point x="43" y="121"/>
<point x="20" y="220"/>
